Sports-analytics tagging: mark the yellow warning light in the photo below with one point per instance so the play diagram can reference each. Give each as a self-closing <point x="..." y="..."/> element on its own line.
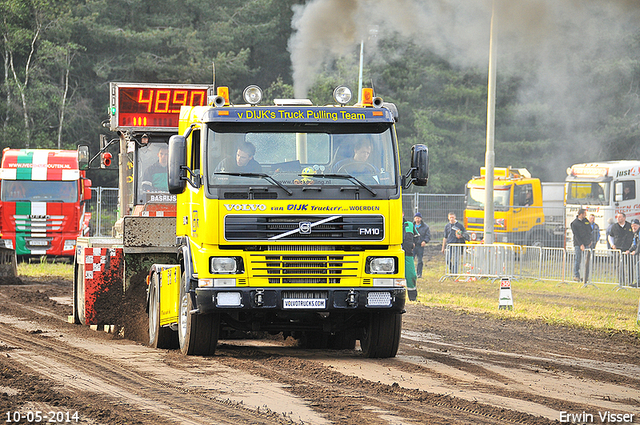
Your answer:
<point x="367" y="97"/>
<point x="224" y="93"/>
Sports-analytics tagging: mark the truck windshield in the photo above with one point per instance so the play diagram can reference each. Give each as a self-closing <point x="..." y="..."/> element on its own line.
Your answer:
<point x="39" y="191"/>
<point x="293" y="156"/>
<point x="588" y="193"/>
<point x="501" y="197"/>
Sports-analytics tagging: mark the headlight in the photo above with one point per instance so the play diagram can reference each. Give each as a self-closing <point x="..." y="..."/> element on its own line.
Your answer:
<point x="223" y="265"/>
<point x="381" y="265"/>
<point x="6" y="243"/>
<point x="69" y="244"/>
<point x="252" y="94"/>
<point x="342" y="95"/>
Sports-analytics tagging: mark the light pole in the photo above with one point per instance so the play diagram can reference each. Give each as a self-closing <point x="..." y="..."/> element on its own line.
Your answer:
<point x="489" y="161"/>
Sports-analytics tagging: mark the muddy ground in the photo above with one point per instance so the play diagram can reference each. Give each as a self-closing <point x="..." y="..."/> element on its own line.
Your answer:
<point x="451" y="368"/>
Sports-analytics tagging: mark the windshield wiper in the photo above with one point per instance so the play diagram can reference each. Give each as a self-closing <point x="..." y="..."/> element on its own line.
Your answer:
<point x="342" y="176"/>
<point x="267" y="177"/>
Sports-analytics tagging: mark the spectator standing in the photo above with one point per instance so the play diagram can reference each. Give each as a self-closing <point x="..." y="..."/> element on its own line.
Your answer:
<point x="621" y="234"/>
<point x="409" y="239"/>
<point x="595" y="231"/>
<point x="453" y="234"/>
<point x="423" y="239"/>
<point x="621" y="238"/>
<point x="581" y="240"/>
<point x="635" y="251"/>
<point x="610" y="223"/>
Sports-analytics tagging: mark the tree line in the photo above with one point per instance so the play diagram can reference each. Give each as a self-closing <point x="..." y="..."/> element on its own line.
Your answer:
<point x="59" y="56"/>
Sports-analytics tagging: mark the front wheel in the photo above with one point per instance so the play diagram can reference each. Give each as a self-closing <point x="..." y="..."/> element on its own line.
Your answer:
<point x="159" y="337"/>
<point x="197" y="333"/>
<point x="537" y="239"/>
<point x="343" y="340"/>
<point x="381" y="336"/>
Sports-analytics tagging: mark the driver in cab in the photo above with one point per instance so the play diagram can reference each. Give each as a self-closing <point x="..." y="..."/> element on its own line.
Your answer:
<point x="358" y="164"/>
<point x="243" y="161"/>
<point x="155" y="177"/>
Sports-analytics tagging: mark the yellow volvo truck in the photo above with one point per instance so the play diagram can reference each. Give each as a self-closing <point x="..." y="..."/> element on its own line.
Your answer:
<point x="289" y="220"/>
<point x="527" y="211"/>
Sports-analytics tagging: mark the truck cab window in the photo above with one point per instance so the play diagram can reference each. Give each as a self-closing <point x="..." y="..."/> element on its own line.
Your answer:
<point x="628" y="190"/>
<point x="286" y="153"/>
<point x="152" y="160"/>
<point x="580" y="193"/>
<point x="523" y="195"/>
<point x="195" y="150"/>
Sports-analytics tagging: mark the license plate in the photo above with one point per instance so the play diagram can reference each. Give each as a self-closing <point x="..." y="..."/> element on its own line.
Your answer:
<point x="304" y="303"/>
<point x="38" y="243"/>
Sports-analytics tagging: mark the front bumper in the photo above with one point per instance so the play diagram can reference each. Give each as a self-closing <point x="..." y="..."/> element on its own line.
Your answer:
<point x="310" y="300"/>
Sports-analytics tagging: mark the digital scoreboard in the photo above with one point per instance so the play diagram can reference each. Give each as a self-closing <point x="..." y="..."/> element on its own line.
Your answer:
<point x="152" y="107"/>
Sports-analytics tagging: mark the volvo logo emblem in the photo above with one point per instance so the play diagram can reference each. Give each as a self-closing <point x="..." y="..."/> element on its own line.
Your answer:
<point x="305" y="227"/>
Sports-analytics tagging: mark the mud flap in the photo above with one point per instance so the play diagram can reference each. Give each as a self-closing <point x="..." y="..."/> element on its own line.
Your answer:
<point x="103" y="277"/>
<point x="8" y="263"/>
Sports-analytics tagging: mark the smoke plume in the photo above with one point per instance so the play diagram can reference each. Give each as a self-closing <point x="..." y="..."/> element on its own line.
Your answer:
<point x="548" y="40"/>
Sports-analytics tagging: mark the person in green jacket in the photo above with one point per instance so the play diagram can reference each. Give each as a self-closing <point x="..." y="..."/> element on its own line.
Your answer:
<point x="409" y="238"/>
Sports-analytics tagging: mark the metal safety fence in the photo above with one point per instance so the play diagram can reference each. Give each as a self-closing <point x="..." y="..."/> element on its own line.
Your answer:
<point x="103" y="207"/>
<point x="475" y="261"/>
<point x="434" y="208"/>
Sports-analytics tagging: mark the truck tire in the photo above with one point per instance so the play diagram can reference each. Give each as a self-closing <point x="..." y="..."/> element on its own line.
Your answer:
<point x="79" y="314"/>
<point x="343" y="340"/>
<point x="197" y="333"/>
<point x="159" y="336"/>
<point x="382" y="335"/>
<point x="314" y="340"/>
<point x="537" y="238"/>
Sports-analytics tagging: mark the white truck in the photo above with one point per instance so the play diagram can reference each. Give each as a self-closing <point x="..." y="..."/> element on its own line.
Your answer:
<point x="603" y="189"/>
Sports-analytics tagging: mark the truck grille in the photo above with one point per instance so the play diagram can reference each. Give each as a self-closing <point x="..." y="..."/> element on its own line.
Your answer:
<point x="304" y="228"/>
<point x="38" y="224"/>
<point x="304" y="268"/>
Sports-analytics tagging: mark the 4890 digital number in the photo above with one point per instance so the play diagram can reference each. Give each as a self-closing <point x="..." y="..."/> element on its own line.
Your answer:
<point x="42" y="417"/>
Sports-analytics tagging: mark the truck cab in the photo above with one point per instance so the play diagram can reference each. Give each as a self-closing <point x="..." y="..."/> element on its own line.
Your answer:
<point x="520" y="216"/>
<point x="604" y="189"/>
<point x="43" y="196"/>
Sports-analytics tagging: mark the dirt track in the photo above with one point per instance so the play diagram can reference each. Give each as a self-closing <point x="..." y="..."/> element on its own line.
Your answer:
<point x="451" y="368"/>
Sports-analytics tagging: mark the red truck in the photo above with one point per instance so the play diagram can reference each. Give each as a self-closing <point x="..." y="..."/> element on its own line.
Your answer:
<point x="42" y="202"/>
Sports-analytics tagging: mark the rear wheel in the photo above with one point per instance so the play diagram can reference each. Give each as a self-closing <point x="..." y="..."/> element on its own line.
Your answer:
<point x="382" y="335"/>
<point x="159" y="337"/>
<point x="79" y="293"/>
<point x="197" y="333"/>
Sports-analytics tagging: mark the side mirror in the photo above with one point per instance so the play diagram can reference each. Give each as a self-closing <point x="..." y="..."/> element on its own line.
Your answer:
<point x="83" y="157"/>
<point x="419" y="172"/>
<point x="177" y="162"/>
<point x="86" y="189"/>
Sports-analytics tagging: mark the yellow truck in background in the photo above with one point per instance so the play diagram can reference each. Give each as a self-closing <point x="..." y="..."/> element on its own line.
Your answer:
<point x="526" y="210"/>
